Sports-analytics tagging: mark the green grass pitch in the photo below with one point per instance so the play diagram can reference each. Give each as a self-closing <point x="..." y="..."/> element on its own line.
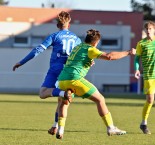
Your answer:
<point x="25" y="119"/>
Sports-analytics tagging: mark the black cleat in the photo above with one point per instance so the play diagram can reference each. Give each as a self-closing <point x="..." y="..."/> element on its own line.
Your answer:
<point x="145" y="129"/>
<point x="59" y="136"/>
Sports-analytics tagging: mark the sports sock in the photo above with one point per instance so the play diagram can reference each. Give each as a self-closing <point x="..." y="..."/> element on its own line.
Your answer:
<point x="61" y="123"/>
<point x="56" y="120"/>
<point x="55" y="124"/>
<point x="108" y="120"/>
<point x="56" y="116"/>
<point x="57" y="92"/>
<point x="146" y="111"/>
<point x="61" y="130"/>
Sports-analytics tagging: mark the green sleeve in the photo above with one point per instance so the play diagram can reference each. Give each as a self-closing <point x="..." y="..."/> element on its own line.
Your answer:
<point x="136" y="62"/>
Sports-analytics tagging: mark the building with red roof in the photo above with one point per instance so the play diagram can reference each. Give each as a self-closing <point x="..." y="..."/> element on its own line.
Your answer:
<point x="24" y="28"/>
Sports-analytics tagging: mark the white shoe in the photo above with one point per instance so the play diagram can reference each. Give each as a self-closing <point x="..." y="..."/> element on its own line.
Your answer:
<point x="115" y="131"/>
<point x="60" y="132"/>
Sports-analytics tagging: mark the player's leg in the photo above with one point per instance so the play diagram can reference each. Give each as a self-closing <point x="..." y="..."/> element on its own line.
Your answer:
<point x="84" y="88"/>
<point x="105" y="114"/>
<point x="54" y="128"/>
<point x="91" y="92"/>
<point x="149" y="90"/>
<point x="48" y="85"/>
<point x="48" y="88"/>
<point x="45" y="92"/>
<point x="145" y="114"/>
<point x="63" y="109"/>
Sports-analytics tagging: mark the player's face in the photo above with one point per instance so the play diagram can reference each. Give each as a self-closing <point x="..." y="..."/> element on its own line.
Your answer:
<point x="96" y="43"/>
<point x="150" y="31"/>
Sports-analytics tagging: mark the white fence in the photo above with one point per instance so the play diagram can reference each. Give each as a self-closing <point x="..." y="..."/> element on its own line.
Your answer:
<point x="31" y="81"/>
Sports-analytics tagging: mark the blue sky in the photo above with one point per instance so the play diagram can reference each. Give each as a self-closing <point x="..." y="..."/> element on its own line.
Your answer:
<point x="105" y="5"/>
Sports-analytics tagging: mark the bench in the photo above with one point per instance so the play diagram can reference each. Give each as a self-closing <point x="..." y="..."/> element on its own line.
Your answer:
<point x="116" y="87"/>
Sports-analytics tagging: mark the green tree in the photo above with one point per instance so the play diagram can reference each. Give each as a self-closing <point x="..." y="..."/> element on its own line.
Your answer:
<point x="3" y="2"/>
<point x="147" y="7"/>
<point x="58" y="4"/>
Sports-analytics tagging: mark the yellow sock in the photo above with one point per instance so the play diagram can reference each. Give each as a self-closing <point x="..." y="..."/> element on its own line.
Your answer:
<point x="146" y="111"/>
<point x="107" y="119"/>
<point x="61" y="121"/>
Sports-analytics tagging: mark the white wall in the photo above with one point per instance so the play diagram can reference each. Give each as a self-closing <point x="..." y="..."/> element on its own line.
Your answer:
<point x="29" y="77"/>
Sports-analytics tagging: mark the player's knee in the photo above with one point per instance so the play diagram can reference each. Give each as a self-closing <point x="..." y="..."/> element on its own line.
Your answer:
<point x="41" y="95"/>
<point x="59" y="99"/>
<point x="100" y="101"/>
<point x="150" y="100"/>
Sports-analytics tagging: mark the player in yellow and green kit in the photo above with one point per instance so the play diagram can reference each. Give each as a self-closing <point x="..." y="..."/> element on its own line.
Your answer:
<point x="146" y="51"/>
<point x="72" y="79"/>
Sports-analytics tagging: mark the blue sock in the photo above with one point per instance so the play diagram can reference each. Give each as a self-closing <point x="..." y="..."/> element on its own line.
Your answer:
<point x="56" y="116"/>
<point x="56" y="92"/>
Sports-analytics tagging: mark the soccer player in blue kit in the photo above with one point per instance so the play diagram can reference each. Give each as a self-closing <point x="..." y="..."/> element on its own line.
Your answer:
<point x="62" y="42"/>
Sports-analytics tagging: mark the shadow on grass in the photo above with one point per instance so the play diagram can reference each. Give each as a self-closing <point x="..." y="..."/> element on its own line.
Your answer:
<point x="79" y="103"/>
<point x="17" y="101"/>
<point x="133" y="133"/>
<point x="23" y="129"/>
<point x="124" y="96"/>
<point x="126" y="104"/>
<point x="83" y="102"/>
<point x="76" y="131"/>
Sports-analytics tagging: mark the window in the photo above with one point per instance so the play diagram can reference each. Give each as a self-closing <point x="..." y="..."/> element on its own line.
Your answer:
<point x="111" y="43"/>
<point x="36" y="40"/>
<point x="21" y="41"/>
<point x="82" y="38"/>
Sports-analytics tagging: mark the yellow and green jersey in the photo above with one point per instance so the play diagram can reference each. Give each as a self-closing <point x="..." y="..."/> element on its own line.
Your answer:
<point x="146" y="50"/>
<point x="79" y="62"/>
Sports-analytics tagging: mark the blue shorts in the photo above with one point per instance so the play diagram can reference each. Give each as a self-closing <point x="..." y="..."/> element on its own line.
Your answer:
<point x="50" y="79"/>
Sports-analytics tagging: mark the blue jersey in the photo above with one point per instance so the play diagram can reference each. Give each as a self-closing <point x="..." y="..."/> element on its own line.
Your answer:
<point x="62" y="42"/>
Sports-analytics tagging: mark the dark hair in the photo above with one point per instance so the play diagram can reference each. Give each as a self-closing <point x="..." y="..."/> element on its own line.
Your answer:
<point x="149" y="23"/>
<point x="63" y="18"/>
<point x="92" y="36"/>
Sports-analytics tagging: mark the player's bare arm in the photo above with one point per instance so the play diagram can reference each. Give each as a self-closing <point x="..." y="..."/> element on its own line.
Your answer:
<point x="117" y="55"/>
<point x="136" y="66"/>
<point x="16" y="66"/>
<point x="137" y="74"/>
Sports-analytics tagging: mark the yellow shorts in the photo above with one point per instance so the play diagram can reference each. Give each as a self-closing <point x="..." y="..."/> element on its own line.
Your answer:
<point x="149" y="86"/>
<point x="81" y="87"/>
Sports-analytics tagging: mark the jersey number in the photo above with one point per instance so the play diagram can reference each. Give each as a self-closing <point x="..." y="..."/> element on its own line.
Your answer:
<point x="68" y="45"/>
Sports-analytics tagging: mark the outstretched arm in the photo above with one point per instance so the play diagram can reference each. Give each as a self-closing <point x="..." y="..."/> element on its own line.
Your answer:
<point x="117" y="55"/>
<point x="31" y="55"/>
<point x="35" y="51"/>
<point x="16" y="66"/>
